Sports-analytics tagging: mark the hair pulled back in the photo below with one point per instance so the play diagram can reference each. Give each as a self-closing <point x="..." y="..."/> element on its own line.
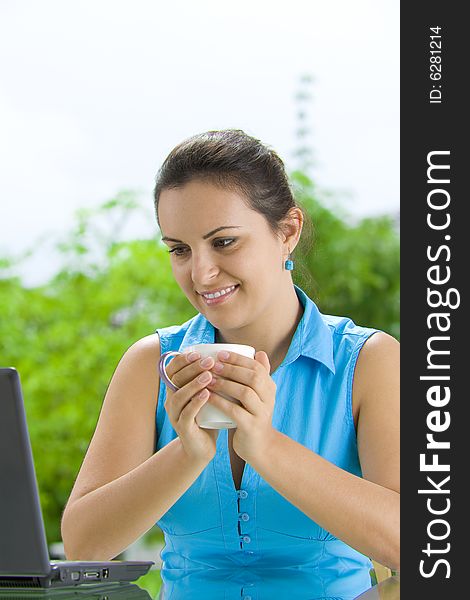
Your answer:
<point x="232" y="159"/>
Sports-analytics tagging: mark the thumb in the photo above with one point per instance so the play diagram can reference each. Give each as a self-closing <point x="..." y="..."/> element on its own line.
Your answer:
<point x="262" y="358"/>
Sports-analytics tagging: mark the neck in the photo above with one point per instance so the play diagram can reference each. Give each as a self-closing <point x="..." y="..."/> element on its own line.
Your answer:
<point x="262" y="335"/>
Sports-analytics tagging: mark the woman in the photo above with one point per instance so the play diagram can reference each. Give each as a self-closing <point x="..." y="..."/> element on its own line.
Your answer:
<point x="310" y="477"/>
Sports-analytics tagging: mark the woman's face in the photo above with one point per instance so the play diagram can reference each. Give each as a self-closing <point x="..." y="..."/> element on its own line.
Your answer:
<point x="217" y="243"/>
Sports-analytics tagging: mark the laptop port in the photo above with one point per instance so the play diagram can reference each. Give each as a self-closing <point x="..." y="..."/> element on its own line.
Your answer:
<point x="75" y="575"/>
<point x="91" y="575"/>
<point x="105" y="573"/>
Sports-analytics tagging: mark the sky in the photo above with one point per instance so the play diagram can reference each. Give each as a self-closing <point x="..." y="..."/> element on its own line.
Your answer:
<point x="95" y="93"/>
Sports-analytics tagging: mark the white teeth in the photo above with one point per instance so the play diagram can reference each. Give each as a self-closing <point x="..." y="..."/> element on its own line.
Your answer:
<point x="221" y="293"/>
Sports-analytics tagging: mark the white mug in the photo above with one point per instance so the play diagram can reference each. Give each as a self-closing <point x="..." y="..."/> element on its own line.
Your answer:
<point x="209" y="417"/>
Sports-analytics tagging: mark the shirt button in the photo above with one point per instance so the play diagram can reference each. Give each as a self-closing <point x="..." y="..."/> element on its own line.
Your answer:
<point x="246" y="597"/>
<point x="247" y="539"/>
<point x="242" y="494"/>
<point x="245" y="517"/>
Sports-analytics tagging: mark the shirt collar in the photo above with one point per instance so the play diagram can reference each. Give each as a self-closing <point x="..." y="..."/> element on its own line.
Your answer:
<point x="312" y="338"/>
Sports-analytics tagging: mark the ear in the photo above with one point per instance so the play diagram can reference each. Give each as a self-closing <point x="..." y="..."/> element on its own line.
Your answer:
<point x="291" y="227"/>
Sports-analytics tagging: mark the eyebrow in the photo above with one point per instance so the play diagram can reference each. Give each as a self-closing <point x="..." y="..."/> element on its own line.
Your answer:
<point x="207" y="235"/>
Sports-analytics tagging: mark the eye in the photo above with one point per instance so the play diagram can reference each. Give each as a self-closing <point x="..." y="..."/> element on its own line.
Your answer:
<point x="223" y="242"/>
<point x="177" y="250"/>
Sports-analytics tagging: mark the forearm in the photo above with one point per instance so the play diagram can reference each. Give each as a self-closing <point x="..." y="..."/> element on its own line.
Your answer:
<point x="359" y="512"/>
<point x="101" y="524"/>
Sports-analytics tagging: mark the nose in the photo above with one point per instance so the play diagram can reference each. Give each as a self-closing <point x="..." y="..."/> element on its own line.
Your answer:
<point x="204" y="268"/>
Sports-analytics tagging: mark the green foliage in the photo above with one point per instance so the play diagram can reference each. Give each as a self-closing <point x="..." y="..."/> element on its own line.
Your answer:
<point x="67" y="336"/>
<point x="351" y="270"/>
<point x="152" y="582"/>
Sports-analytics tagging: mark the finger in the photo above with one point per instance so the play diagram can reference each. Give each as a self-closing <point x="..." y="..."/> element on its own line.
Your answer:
<point x="233" y="411"/>
<point x="190" y="411"/>
<point x="254" y="377"/>
<point x="235" y="359"/>
<point x="263" y="359"/>
<point x="179" y="399"/>
<point x="191" y="370"/>
<point x="244" y="394"/>
<point x="180" y="362"/>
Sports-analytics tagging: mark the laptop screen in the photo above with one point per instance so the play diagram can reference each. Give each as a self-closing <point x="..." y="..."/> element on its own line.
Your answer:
<point x="23" y="546"/>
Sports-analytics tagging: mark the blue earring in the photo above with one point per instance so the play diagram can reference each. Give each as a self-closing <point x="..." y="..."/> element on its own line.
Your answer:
<point x="289" y="264"/>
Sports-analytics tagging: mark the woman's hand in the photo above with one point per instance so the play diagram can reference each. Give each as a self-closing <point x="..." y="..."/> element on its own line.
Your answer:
<point x="248" y="381"/>
<point x="183" y="405"/>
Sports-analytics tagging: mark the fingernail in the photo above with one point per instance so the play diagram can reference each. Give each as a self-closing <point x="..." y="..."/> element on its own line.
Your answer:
<point x="192" y="356"/>
<point x="218" y="367"/>
<point x="206" y="362"/>
<point x="204" y="377"/>
<point x="224" y="355"/>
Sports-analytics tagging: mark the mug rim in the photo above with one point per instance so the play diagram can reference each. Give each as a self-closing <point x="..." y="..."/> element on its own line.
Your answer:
<point x="221" y="346"/>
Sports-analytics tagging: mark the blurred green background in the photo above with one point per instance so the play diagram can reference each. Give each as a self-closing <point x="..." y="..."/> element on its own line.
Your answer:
<point x="66" y="336"/>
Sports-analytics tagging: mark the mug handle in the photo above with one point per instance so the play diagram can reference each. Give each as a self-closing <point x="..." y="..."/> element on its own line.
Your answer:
<point x="162" y="370"/>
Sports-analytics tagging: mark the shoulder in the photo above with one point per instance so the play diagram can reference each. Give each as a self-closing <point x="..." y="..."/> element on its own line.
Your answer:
<point x="344" y="329"/>
<point x="147" y="350"/>
<point x="379" y="352"/>
<point x="150" y="344"/>
<point x="378" y="368"/>
<point x="377" y="393"/>
<point x="144" y="352"/>
<point x="335" y="332"/>
<point x="136" y="377"/>
<point x="348" y="340"/>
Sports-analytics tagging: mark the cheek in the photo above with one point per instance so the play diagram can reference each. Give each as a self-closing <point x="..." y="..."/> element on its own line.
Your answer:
<point x="264" y="261"/>
<point x="180" y="274"/>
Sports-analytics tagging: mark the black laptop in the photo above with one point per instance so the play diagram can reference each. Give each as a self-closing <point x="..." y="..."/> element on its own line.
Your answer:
<point x="24" y="556"/>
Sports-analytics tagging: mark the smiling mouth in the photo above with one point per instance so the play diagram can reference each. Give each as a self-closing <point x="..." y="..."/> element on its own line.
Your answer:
<point x="220" y="296"/>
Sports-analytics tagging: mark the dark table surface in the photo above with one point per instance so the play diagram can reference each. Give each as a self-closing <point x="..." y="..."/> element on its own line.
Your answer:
<point x="236" y="584"/>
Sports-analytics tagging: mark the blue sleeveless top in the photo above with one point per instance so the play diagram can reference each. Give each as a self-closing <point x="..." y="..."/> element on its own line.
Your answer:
<point x="213" y="525"/>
